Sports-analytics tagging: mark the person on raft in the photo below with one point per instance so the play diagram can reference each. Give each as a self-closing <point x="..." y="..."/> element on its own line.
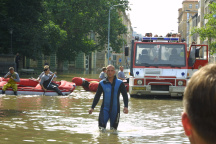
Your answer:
<point x="111" y="87"/>
<point x="46" y="82"/>
<point x="46" y="67"/>
<point x="13" y="79"/>
<point x="103" y="73"/>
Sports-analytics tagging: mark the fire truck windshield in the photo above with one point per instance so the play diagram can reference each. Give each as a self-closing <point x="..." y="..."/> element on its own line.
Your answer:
<point x="160" y="55"/>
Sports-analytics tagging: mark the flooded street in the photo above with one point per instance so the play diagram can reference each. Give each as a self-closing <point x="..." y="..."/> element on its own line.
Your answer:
<point x="65" y="119"/>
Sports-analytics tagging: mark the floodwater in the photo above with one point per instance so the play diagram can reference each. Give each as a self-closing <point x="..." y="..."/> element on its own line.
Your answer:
<point x="65" y="119"/>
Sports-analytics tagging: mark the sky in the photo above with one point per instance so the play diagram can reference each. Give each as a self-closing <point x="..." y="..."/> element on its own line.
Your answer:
<point x="156" y="16"/>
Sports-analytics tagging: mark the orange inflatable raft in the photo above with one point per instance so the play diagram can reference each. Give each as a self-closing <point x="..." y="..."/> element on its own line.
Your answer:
<point x="90" y="84"/>
<point x="32" y="87"/>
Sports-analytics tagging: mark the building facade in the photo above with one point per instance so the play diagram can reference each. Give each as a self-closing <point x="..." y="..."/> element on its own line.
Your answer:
<point x="189" y="8"/>
<point x="196" y="20"/>
<point x="119" y="59"/>
<point x="192" y="22"/>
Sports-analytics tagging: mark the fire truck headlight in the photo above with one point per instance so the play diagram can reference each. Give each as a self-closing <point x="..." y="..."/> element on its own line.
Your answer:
<point x="139" y="82"/>
<point x="180" y="83"/>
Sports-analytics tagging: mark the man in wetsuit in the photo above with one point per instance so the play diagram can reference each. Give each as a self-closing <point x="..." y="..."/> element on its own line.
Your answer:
<point x="14" y="78"/>
<point x="47" y="84"/>
<point x="111" y="87"/>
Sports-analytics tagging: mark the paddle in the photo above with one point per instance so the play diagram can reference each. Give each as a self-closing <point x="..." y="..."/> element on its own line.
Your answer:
<point x="49" y="82"/>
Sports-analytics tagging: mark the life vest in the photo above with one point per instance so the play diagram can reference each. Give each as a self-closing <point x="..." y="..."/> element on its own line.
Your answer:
<point x="11" y="81"/>
<point x="110" y="92"/>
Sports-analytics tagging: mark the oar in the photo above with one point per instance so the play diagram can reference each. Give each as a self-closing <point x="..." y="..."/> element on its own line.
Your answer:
<point x="49" y="83"/>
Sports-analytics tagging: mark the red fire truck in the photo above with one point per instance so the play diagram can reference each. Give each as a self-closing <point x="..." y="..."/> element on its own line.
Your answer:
<point x="162" y="66"/>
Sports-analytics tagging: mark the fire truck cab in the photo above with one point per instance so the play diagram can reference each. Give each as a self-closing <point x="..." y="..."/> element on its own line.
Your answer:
<point x="163" y="65"/>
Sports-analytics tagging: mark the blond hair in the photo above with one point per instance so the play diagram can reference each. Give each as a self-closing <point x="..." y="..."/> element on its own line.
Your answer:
<point x="46" y="66"/>
<point x="11" y="68"/>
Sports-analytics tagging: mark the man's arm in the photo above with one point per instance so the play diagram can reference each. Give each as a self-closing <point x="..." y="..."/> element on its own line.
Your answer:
<point x="39" y="77"/>
<point x="7" y="75"/>
<point x="41" y="83"/>
<point x="55" y="76"/>
<point x="16" y="79"/>
<point x="43" y="87"/>
<point x="96" y="98"/>
<point x="125" y="97"/>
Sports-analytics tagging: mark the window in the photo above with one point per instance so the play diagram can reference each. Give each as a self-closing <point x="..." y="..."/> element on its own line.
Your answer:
<point x="190" y="6"/>
<point x="160" y="55"/>
<point x="114" y="57"/>
<point x="197" y="6"/>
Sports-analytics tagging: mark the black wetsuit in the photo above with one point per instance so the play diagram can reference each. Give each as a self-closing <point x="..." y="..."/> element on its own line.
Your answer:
<point x="110" y="108"/>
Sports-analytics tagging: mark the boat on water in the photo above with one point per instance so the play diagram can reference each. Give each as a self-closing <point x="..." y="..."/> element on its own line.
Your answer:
<point x="85" y="82"/>
<point x="91" y="84"/>
<point x="32" y="87"/>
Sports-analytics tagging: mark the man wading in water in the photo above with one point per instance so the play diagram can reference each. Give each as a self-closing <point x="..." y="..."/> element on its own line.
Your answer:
<point x="111" y="87"/>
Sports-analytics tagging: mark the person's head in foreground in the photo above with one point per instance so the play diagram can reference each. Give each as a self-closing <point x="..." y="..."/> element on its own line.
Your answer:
<point x="199" y="101"/>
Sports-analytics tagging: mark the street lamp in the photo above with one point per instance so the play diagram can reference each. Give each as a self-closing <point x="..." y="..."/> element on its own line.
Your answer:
<point x="11" y="32"/>
<point x="109" y="31"/>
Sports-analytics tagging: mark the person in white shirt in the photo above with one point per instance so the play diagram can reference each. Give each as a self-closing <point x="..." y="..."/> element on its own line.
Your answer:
<point x="103" y="73"/>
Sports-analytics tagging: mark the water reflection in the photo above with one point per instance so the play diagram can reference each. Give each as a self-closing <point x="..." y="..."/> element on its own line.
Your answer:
<point x="29" y="102"/>
<point x="9" y="113"/>
<point x="65" y="119"/>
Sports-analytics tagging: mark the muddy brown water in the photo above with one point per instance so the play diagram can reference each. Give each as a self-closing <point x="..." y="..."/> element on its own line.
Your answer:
<point x="65" y="119"/>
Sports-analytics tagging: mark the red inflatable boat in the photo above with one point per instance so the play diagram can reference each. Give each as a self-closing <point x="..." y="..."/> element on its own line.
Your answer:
<point x="90" y="84"/>
<point x="32" y="87"/>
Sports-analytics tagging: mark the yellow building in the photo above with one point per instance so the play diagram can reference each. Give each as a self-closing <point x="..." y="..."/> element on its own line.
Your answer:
<point x="189" y="8"/>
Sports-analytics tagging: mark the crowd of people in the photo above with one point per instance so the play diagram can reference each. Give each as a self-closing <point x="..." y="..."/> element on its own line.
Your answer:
<point x="121" y="74"/>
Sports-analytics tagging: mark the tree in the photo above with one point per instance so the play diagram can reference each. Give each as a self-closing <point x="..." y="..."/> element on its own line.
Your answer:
<point x="80" y="17"/>
<point x="59" y="26"/>
<point x="208" y="32"/>
<point x="24" y="18"/>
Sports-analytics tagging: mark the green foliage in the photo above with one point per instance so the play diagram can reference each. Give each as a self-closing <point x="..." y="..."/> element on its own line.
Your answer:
<point x="55" y="38"/>
<point x="64" y="27"/>
<point x="80" y="18"/>
<point x="208" y="32"/>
